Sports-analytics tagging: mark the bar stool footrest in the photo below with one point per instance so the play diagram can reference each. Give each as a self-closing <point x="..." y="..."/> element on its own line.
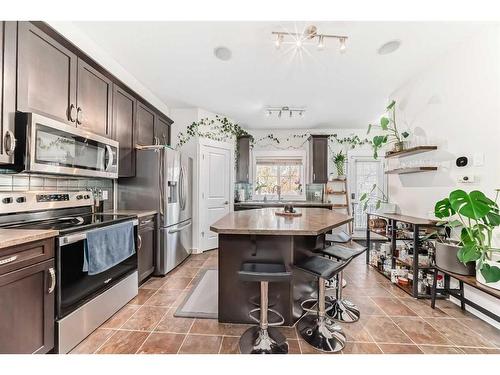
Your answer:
<point x="270" y="324"/>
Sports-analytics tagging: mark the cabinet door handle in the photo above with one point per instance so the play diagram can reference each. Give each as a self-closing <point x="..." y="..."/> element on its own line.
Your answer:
<point x="52" y="274"/>
<point x="9" y="143"/>
<point x="71" y="113"/>
<point x="146" y="222"/>
<point x="8" y="260"/>
<point x="79" y="115"/>
<point x="314" y="177"/>
<point x="139" y="242"/>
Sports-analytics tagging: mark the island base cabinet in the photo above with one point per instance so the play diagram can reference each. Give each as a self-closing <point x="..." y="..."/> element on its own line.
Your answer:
<point x="27" y="309"/>
<point x="236" y="296"/>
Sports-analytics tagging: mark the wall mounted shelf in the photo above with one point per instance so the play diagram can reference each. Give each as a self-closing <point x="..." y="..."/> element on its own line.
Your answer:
<point x="411" y="170"/>
<point x="410" y="151"/>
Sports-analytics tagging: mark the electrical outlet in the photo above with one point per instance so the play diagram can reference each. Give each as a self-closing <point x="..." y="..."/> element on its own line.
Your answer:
<point x="478" y="159"/>
<point x="105" y="195"/>
<point x="466" y="179"/>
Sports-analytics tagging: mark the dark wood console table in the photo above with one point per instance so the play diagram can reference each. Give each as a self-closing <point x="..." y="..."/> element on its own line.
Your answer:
<point x="459" y="293"/>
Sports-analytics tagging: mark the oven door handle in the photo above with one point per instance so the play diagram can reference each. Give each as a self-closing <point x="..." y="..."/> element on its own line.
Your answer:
<point x="72" y="238"/>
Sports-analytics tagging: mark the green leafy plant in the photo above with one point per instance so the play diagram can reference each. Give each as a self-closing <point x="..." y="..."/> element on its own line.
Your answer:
<point x="376" y="194"/>
<point x="339" y="160"/>
<point x="478" y="216"/>
<point x="388" y="127"/>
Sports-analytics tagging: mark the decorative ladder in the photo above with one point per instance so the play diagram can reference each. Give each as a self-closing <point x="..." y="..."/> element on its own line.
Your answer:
<point x="343" y="192"/>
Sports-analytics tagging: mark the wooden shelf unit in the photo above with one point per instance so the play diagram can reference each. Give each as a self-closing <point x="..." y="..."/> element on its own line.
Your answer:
<point x="411" y="170"/>
<point x="416" y="224"/>
<point x="410" y="151"/>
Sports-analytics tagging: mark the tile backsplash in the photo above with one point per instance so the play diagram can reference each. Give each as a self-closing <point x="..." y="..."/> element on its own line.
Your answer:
<point x="25" y="182"/>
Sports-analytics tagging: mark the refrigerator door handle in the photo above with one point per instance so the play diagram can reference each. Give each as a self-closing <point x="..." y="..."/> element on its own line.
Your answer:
<point x="178" y="229"/>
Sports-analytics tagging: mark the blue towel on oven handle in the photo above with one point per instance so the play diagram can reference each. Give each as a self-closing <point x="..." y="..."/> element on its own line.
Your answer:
<point x="108" y="246"/>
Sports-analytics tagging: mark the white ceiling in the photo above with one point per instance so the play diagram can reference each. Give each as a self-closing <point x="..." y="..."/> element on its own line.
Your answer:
<point x="175" y="61"/>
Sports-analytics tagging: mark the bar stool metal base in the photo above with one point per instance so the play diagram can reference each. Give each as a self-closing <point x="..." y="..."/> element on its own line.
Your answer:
<point x="263" y="341"/>
<point x="322" y="333"/>
<point x="343" y="311"/>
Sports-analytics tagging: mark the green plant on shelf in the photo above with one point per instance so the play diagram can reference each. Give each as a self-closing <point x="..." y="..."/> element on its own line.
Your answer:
<point x="390" y="133"/>
<point x="339" y="159"/>
<point x="477" y="216"/>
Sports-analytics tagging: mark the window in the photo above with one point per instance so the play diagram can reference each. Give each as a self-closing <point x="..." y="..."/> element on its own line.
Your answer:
<point x="287" y="172"/>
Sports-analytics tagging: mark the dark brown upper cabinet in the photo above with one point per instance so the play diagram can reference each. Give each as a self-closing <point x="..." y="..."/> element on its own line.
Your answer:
<point x="243" y="162"/>
<point x="47" y="74"/>
<point x="319" y="157"/>
<point x="124" y="117"/>
<point x="145" y="125"/>
<point x="93" y="98"/>
<point x="162" y="130"/>
<point x="8" y="40"/>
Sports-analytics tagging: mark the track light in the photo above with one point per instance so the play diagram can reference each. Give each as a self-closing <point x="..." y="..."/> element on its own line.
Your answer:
<point x="284" y="110"/>
<point x="321" y="43"/>
<point x="343" y="47"/>
<point x="279" y="39"/>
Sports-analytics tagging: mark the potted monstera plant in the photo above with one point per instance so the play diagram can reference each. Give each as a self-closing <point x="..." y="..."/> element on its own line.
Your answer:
<point x="389" y="132"/>
<point x="477" y="217"/>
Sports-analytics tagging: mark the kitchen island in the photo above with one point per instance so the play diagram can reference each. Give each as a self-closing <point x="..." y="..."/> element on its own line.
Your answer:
<point x="262" y="236"/>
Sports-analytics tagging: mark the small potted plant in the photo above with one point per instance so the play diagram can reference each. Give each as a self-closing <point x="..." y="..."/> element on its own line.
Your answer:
<point x="477" y="216"/>
<point x="381" y="200"/>
<point x="390" y="133"/>
<point x="339" y="161"/>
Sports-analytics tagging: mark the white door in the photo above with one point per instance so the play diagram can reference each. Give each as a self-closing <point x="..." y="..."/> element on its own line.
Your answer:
<point x="364" y="171"/>
<point x="215" y="188"/>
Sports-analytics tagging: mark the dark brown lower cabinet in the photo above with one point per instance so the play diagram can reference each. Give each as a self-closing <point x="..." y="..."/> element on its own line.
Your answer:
<point x="146" y="247"/>
<point x="27" y="309"/>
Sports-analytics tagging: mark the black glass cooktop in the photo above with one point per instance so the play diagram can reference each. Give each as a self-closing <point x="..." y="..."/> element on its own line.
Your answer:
<point x="67" y="224"/>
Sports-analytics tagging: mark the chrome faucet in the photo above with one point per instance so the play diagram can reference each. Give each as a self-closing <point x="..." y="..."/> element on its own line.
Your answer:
<point x="278" y="191"/>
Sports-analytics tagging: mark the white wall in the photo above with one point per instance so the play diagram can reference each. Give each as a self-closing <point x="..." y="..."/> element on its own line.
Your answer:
<point x="183" y="117"/>
<point x="454" y="104"/>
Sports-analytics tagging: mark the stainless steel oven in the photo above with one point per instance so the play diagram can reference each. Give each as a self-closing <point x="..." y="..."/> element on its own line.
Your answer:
<point x="49" y="146"/>
<point x="83" y="301"/>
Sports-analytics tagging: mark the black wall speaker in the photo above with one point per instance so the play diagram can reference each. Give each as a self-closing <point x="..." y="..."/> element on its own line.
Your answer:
<point x="462" y="161"/>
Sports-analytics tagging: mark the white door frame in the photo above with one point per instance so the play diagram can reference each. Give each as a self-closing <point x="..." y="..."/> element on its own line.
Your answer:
<point x="201" y="214"/>
<point x="366" y="156"/>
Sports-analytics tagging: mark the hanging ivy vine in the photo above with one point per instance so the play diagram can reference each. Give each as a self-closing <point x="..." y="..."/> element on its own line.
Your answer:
<point x="222" y="129"/>
<point x="218" y="129"/>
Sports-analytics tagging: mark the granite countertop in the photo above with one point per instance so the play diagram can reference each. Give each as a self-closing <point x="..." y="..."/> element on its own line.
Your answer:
<point x="13" y="237"/>
<point x="282" y="203"/>
<point x="138" y="213"/>
<point x="313" y="221"/>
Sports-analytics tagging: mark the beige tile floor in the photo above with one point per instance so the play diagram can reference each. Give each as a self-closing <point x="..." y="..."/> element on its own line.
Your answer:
<point x="391" y="321"/>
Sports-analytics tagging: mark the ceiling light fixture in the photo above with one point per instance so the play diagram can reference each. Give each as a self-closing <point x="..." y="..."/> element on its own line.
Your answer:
<point x="279" y="40"/>
<point x="343" y="47"/>
<point x="292" y="111"/>
<point x="389" y="47"/>
<point x="310" y="34"/>
<point x="321" y="43"/>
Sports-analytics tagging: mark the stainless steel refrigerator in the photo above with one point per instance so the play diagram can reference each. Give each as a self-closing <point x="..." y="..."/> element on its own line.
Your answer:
<point x="163" y="182"/>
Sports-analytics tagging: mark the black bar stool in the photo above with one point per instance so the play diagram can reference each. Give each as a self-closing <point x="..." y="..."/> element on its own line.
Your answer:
<point x="342" y="309"/>
<point x="319" y="330"/>
<point x="264" y="339"/>
<point x="338" y="237"/>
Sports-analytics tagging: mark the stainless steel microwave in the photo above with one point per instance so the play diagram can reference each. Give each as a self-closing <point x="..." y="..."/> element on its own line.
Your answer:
<point x="49" y="146"/>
